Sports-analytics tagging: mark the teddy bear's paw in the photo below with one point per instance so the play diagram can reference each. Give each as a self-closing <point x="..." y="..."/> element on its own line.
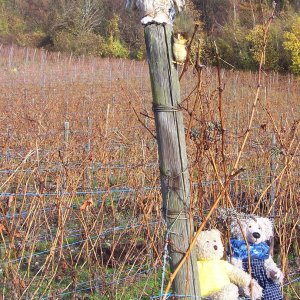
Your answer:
<point x="228" y="292"/>
<point x="162" y="18"/>
<point x="147" y="20"/>
<point x="277" y="276"/>
<point x="256" y="293"/>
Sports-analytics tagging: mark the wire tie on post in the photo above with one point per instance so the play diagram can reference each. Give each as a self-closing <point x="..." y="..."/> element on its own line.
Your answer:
<point x="177" y="215"/>
<point x="165" y="108"/>
<point x="172" y="232"/>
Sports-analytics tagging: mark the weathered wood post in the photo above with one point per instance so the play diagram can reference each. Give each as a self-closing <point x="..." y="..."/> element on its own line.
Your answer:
<point x="273" y="183"/>
<point x="173" y="162"/>
<point x="66" y="133"/>
<point x="62" y="153"/>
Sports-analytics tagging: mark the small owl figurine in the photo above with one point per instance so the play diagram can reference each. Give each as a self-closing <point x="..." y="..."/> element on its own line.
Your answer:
<point x="179" y="48"/>
<point x="157" y="11"/>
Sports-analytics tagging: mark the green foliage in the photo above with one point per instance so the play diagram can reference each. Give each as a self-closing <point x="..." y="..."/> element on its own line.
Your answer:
<point x="3" y="25"/>
<point x="113" y="45"/>
<point x="292" y="44"/>
<point x="113" y="27"/>
<point x="106" y="28"/>
<point x="139" y="55"/>
<point x="27" y="38"/>
<point x="184" y="23"/>
<point x="12" y="25"/>
<point x="233" y="47"/>
<point x="241" y="46"/>
<point x="114" y="48"/>
<point x="256" y="42"/>
<point x="90" y="42"/>
<point x="255" y="38"/>
<point x="15" y="29"/>
<point x="87" y="43"/>
<point x="3" y="19"/>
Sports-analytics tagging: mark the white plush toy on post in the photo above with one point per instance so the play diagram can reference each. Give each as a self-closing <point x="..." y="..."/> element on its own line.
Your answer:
<point x="157" y="11"/>
<point x="219" y="280"/>
<point x="257" y="231"/>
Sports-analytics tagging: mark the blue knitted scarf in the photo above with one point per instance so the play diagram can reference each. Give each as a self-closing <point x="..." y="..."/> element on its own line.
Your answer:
<point x="258" y="251"/>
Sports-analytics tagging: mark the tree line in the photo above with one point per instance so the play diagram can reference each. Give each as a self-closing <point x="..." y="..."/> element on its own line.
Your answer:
<point x="106" y="28"/>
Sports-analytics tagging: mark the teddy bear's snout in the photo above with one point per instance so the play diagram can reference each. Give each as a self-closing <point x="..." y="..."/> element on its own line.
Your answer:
<point x="256" y="235"/>
<point x="215" y="247"/>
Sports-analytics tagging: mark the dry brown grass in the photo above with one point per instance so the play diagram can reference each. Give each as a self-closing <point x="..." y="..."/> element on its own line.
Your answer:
<point x="85" y="215"/>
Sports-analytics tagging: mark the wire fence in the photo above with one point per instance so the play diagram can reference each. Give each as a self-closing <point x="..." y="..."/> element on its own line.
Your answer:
<point x="80" y="205"/>
<point x="78" y="242"/>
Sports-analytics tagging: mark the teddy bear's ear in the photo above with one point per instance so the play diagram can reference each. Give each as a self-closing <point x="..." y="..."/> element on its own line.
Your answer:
<point x="235" y="229"/>
<point x="200" y="237"/>
<point x="267" y="227"/>
<point x="216" y="232"/>
<point x="197" y="243"/>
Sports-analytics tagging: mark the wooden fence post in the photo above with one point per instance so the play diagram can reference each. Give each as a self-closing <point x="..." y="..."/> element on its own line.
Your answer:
<point x="89" y="168"/>
<point x="273" y="183"/>
<point x="173" y="163"/>
<point x="66" y="133"/>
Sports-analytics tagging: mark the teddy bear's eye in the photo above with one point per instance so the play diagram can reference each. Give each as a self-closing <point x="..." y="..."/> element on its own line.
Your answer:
<point x="259" y="228"/>
<point x="215" y="241"/>
<point x="249" y="226"/>
<point x="207" y="242"/>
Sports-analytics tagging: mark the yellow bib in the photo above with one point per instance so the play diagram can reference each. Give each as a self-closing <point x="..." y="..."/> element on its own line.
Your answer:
<point x="213" y="275"/>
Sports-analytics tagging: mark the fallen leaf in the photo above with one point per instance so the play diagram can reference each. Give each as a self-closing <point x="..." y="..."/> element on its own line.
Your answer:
<point x="19" y="282"/>
<point x="10" y="201"/>
<point x="18" y="234"/>
<point x="64" y="266"/>
<point x="87" y="204"/>
<point x="2" y="210"/>
<point x="2" y="228"/>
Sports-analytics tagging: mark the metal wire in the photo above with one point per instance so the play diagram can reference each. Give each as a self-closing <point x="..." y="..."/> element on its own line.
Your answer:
<point x="125" y="189"/>
<point x="78" y="243"/>
<point x="100" y="285"/>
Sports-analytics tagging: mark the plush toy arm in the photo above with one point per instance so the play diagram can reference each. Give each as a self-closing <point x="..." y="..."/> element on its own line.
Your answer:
<point x="257" y="290"/>
<point x="180" y="4"/>
<point x="243" y="280"/>
<point x="237" y="262"/>
<point x="238" y="276"/>
<point x="273" y="271"/>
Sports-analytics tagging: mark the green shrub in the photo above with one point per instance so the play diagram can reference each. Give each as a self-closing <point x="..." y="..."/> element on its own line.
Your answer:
<point x="114" y="48"/>
<point x="87" y="43"/>
<point x="12" y="26"/>
<point x="33" y="38"/>
<point x="4" y="28"/>
<point x="113" y="45"/>
<point x="233" y="47"/>
<point x="139" y="54"/>
<point x="241" y="45"/>
<point x="292" y="44"/>
<point x="113" y="30"/>
<point x="255" y="39"/>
